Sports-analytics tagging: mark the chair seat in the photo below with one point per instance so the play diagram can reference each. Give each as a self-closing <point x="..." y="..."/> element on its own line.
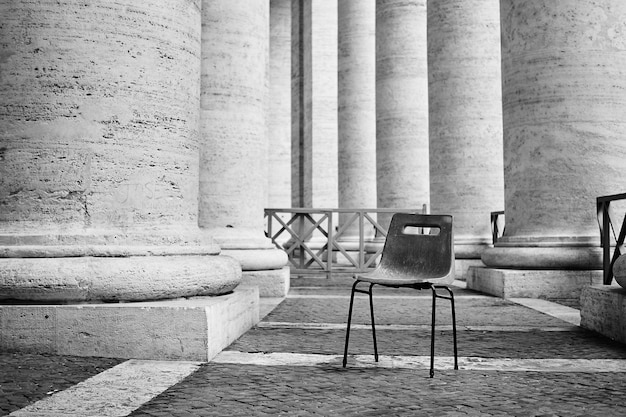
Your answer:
<point x="390" y="277"/>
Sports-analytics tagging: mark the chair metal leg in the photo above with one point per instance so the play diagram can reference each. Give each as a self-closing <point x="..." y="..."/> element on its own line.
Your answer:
<point x="432" y="333"/>
<point x="373" y="325"/>
<point x="456" y="358"/>
<point x="451" y="298"/>
<point x="345" y="351"/>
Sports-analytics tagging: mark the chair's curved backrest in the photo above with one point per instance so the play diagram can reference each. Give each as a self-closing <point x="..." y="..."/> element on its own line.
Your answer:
<point x="429" y="256"/>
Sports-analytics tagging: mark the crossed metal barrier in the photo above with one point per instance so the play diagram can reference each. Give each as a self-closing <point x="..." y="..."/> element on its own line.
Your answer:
<point x="312" y="238"/>
<point x="608" y="223"/>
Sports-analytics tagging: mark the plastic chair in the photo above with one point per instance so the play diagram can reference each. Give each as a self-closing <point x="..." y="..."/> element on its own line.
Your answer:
<point x="418" y="254"/>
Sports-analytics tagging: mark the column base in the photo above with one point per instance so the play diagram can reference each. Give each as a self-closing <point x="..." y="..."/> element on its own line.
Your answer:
<point x="536" y="283"/>
<point x="271" y="283"/>
<point x="603" y="310"/>
<point x="462" y="267"/>
<point x="194" y="329"/>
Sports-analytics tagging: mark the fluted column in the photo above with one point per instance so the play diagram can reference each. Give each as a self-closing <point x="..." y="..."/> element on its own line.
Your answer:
<point x="564" y="106"/>
<point x="99" y="153"/>
<point x="401" y="104"/>
<point x="357" y="107"/>
<point x="234" y="133"/>
<point x="280" y="104"/>
<point x="465" y="118"/>
<point x="314" y="103"/>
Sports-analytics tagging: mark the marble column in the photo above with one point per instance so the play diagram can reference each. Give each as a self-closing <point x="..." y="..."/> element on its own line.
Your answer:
<point x="99" y="153"/>
<point x="234" y="134"/>
<point x="401" y="104"/>
<point x="465" y="119"/>
<point x="357" y="109"/>
<point x="314" y="104"/>
<point x="563" y="69"/>
<point x="280" y="105"/>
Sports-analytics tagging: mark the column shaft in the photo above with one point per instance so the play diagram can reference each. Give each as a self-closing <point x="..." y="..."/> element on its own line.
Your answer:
<point x="99" y="172"/>
<point x="465" y="117"/>
<point x="563" y="109"/>
<point x="401" y="104"/>
<point x="280" y="104"/>
<point x="234" y="134"/>
<point x="314" y="111"/>
<point x="357" y="109"/>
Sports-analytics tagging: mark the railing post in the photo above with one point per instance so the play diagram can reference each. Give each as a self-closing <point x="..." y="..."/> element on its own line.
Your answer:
<point x="330" y="245"/>
<point x="361" y="240"/>
<point x="603" y="212"/>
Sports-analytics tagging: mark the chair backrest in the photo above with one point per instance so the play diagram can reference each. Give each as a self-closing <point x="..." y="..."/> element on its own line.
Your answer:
<point x="427" y="255"/>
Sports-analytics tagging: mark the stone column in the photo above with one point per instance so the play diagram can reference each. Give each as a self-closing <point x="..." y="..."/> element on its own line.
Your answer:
<point x="314" y="103"/>
<point x="357" y="110"/>
<point x="401" y="104"/>
<point x="280" y="104"/>
<point x="234" y="135"/>
<point x="465" y="120"/>
<point x="99" y="153"/>
<point x="563" y="68"/>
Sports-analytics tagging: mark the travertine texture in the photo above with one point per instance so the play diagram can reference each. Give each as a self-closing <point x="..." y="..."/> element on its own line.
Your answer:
<point x="603" y="310"/>
<point x="357" y="107"/>
<point x="234" y="128"/>
<point x="357" y="104"/>
<point x="314" y="103"/>
<point x="99" y="150"/>
<point x="234" y="109"/>
<point x="401" y="104"/>
<point x="279" y="194"/>
<point x="619" y="270"/>
<point x="465" y="117"/>
<point x="564" y="77"/>
<point x="196" y="329"/>
<point x="117" y="278"/>
<point x="99" y="115"/>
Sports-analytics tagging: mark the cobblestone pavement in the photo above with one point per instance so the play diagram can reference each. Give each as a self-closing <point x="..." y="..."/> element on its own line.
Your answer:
<point x="534" y="364"/>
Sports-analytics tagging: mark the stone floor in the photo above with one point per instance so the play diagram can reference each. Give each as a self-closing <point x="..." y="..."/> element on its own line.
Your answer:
<point x="516" y="358"/>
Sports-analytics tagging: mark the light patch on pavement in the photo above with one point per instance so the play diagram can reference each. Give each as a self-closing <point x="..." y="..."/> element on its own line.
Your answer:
<point x="405" y="327"/>
<point x="427" y="295"/>
<point x="423" y="362"/>
<point x="115" y="392"/>
<point x="568" y="314"/>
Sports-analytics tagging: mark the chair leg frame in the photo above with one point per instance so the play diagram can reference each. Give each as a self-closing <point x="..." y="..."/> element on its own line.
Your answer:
<point x="435" y="295"/>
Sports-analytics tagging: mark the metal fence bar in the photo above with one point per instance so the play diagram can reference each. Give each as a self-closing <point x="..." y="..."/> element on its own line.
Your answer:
<point x="603" y="205"/>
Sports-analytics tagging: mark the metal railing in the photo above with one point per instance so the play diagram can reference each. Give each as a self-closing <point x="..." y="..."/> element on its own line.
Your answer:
<point x="497" y="225"/>
<point x="608" y="223"/>
<point x="316" y="241"/>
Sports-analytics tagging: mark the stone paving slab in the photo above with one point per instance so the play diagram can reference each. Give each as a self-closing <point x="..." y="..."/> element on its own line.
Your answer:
<point x="410" y="310"/>
<point x="26" y="378"/>
<point x="579" y="344"/>
<point x="335" y="391"/>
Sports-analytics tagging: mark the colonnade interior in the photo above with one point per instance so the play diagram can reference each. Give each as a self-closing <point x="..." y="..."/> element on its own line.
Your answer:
<point x="141" y="142"/>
